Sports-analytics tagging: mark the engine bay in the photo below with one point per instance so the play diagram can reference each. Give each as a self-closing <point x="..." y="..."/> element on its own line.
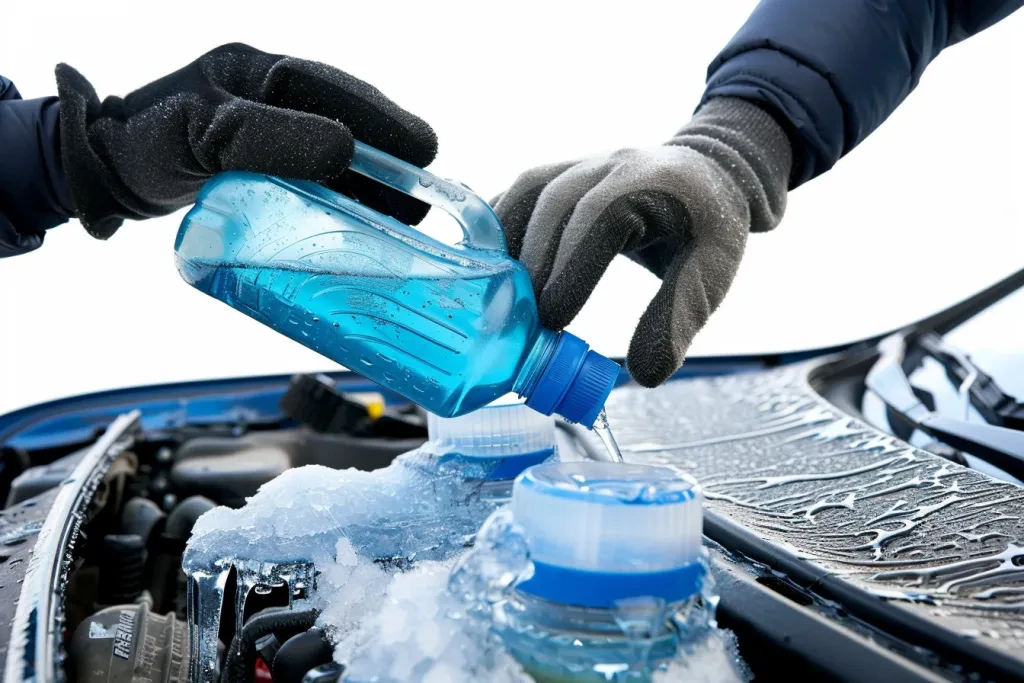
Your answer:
<point x="109" y="511"/>
<point x="124" y="591"/>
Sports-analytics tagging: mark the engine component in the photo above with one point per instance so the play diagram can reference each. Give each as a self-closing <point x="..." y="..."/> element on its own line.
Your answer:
<point x="183" y="517"/>
<point x="123" y="554"/>
<point x="301" y="654"/>
<point x="228" y="470"/>
<point x="230" y="478"/>
<point x="313" y="401"/>
<point x="398" y="424"/>
<point x="267" y="647"/>
<point x="142" y="516"/>
<point x="13" y="461"/>
<point x="168" y="584"/>
<point x="36" y="480"/>
<point x="325" y="673"/>
<point x="130" y="643"/>
<point x="283" y="622"/>
<point x="122" y="568"/>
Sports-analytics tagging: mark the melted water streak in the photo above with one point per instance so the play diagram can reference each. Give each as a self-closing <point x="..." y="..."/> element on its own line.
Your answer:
<point x="895" y="520"/>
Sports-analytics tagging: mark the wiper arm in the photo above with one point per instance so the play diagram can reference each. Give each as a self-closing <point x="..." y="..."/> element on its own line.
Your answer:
<point x="977" y="387"/>
<point x="999" y="446"/>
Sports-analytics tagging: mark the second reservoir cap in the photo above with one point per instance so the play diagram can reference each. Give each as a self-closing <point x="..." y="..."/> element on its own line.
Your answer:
<point x="600" y="532"/>
<point x="509" y="435"/>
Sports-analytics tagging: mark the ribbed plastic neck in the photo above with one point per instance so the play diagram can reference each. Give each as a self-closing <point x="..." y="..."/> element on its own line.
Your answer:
<point x="494" y="443"/>
<point x="540" y="355"/>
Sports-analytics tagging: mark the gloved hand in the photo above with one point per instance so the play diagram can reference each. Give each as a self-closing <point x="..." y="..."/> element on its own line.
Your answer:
<point x="233" y="108"/>
<point x="682" y="210"/>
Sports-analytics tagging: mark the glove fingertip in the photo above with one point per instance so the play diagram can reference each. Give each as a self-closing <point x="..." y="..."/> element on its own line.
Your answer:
<point x="425" y="151"/>
<point x="70" y="80"/>
<point x="651" y="362"/>
<point x="233" y="48"/>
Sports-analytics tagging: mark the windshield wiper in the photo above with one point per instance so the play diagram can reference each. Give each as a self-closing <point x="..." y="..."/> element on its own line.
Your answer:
<point x="997" y="445"/>
<point x="976" y="387"/>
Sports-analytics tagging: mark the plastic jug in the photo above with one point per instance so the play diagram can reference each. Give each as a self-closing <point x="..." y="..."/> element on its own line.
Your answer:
<point x="449" y="327"/>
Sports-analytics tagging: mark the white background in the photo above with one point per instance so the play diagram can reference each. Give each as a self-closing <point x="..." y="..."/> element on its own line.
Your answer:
<point x="924" y="213"/>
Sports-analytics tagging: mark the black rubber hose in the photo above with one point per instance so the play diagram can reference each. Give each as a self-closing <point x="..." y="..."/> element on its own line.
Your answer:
<point x="143" y="517"/>
<point x="240" y="661"/>
<point x="300" y="654"/>
<point x="184" y="515"/>
<point x="122" y="568"/>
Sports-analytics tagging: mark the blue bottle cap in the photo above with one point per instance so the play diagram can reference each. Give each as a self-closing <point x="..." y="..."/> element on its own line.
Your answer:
<point x="575" y="383"/>
<point x="601" y="532"/>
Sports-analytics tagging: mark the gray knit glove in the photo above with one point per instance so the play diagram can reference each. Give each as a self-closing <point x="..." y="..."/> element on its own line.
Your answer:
<point x="682" y="210"/>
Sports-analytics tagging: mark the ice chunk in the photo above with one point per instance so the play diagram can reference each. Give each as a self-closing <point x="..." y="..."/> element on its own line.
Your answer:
<point x="402" y="511"/>
<point x="434" y="621"/>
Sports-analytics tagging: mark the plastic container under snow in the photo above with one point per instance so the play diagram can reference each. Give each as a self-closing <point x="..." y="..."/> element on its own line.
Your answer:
<point x="595" y="573"/>
<point x="427" y="505"/>
<point x="451" y="328"/>
<point x="618" y="564"/>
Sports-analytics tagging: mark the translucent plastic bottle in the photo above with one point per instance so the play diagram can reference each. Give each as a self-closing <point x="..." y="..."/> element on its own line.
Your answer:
<point x="450" y="327"/>
<point x="619" y="583"/>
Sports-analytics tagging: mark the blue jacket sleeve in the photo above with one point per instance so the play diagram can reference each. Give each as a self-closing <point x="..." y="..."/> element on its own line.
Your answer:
<point x="34" y="192"/>
<point x="831" y="72"/>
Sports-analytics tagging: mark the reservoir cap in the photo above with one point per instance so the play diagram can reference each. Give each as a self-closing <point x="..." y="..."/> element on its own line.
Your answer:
<point x="575" y="383"/>
<point x="599" y="532"/>
<point x="503" y="439"/>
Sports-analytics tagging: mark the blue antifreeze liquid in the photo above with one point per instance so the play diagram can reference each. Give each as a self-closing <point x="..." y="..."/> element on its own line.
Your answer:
<point x="452" y="328"/>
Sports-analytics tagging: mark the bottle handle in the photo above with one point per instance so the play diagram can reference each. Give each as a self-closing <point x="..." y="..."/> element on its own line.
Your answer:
<point x="478" y="221"/>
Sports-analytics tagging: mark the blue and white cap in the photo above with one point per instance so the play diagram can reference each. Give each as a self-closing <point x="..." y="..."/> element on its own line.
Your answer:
<point x="599" y="532"/>
<point x="502" y="439"/>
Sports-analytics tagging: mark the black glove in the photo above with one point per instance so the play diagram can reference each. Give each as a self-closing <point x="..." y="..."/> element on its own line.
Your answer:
<point x="682" y="210"/>
<point x="233" y="108"/>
